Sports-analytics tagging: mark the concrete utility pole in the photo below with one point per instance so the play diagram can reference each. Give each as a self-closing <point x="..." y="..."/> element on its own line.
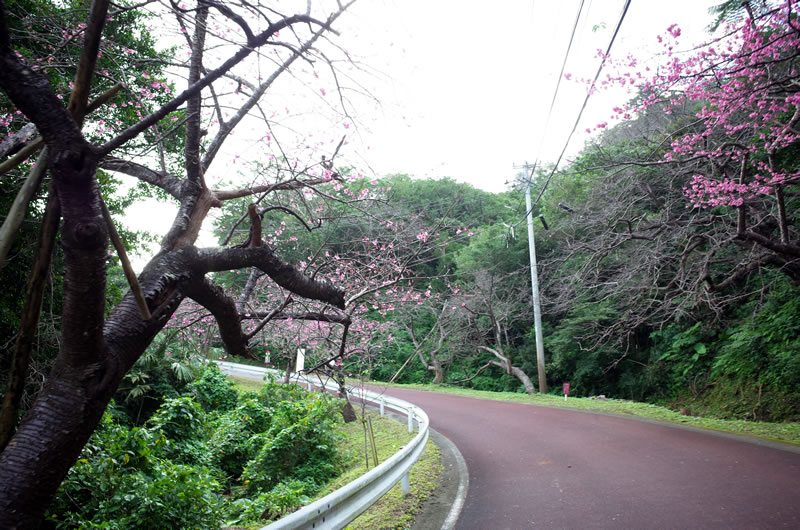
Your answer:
<point x="537" y="308"/>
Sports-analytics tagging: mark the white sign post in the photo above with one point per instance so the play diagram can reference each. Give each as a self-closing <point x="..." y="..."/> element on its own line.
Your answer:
<point x="301" y="360"/>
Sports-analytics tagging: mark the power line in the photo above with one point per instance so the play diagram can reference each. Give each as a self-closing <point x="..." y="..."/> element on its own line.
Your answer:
<point x="586" y="100"/>
<point x="529" y="177"/>
<point x="560" y="76"/>
<point x="555" y="92"/>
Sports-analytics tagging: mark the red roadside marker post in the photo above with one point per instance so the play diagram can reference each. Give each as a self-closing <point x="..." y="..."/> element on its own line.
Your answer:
<point x="566" y="391"/>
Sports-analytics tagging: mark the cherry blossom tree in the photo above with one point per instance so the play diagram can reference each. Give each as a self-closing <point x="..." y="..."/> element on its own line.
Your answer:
<point x="685" y="204"/>
<point x="739" y="150"/>
<point x="234" y="53"/>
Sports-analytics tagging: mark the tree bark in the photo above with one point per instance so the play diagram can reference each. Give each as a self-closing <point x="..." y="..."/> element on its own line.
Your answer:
<point x="505" y="363"/>
<point x="96" y="352"/>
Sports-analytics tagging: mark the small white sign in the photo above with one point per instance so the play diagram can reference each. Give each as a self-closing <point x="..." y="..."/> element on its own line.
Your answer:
<point x="301" y="360"/>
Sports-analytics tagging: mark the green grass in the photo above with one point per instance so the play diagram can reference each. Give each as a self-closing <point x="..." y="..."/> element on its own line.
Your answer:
<point x="781" y="432"/>
<point x="242" y="384"/>
<point x="393" y="510"/>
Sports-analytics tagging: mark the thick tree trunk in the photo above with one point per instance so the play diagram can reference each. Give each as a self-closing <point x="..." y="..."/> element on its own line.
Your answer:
<point x="435" y="366"/>
<point x="438" y="372"/>
<point x="505" y="363"/>
<point x="526" y="381"/>
<point x="348" y="413"/>
<point x="70" y="406"/>
<point x="38" y="457"/>
<point x="95" y="352"/>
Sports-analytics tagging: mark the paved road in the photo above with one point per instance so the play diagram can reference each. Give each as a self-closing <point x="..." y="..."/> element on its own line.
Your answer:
<point x="539" y="467"/>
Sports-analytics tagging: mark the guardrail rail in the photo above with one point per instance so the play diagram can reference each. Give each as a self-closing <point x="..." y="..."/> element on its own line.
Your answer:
<point x="348" y="502"/>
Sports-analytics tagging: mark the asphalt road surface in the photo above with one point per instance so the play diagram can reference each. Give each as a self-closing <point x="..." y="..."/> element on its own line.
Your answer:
<point x="540" y="467"/>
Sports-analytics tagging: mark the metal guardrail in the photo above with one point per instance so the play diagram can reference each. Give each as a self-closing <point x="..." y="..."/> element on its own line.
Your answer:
<point x="345" y="504"/>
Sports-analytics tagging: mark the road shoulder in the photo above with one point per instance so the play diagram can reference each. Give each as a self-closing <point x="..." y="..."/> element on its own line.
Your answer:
<point x="443" y="508"/>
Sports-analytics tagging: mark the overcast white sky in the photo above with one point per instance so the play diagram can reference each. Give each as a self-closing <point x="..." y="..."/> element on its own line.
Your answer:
<point x="471" y="82"/>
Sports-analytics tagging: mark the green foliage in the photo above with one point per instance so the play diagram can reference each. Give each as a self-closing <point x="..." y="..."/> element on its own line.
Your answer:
<point x="270" y="505"/>
<point x="574" y="359"/>
<point x="213" y="391"/>
<point x="159" y="374"/>
<point x="765" y="347"/>
<point x="300" y="444"/>
<point x="123" y="480"/>
<point x="685" y="352"/>
<point x="257" y="456"/>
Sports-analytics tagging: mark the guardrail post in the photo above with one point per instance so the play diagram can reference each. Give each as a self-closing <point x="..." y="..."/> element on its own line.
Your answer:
<point x="382" y="402"/>
<point x="405" y="484"/>
<point x="410" y="419"/>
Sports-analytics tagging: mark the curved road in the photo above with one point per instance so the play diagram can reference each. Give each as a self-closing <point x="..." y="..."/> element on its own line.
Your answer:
<point x="540" y="467"/>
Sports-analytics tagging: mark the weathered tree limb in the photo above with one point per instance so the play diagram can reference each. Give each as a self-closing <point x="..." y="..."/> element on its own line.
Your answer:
<point x="255" y="226"/>
<point x="249" y="287"/>
<point x="285" y="275"/>
<point x="251" y="102"/>
<point x="29" y="322"/>
<point x="16" y="214"/>
<point x="82" y="84"/>
<point x="261" y="39"/>
<point x="130" y="275"/>
<point x="166" y="181"/>
<point x="194" y="102"/>
<point x="37" y="143"/>
<point x="17" y="141"/>
<point x="222" y="306"/>
<point x="269" y="317"/>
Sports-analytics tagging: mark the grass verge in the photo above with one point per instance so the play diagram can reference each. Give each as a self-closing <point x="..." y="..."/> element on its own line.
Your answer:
<point x="780" y="432"/>
<point x="393" y="510"/>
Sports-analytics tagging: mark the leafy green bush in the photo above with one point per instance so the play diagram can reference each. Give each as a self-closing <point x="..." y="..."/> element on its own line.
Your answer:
<point x="271" y="505"/>
<point x="232" y="446"/>
<point x="162" y="372"/>
<point x="190" y="466"/>
<point x="185" y="424"/>
<point x="213" y="391"/>
<point x="300" y="444"/>
<point x="122" y="480"/>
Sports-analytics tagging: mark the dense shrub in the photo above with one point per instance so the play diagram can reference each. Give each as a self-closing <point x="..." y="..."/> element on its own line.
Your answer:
<point x="300" y="444"/>
<point x="204" y="458"/>
<point x="123" y="480"/>
<point x="213" y="391"/>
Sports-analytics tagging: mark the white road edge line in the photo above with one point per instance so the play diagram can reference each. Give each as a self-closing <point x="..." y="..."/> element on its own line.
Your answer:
<point x="463" y="484"/>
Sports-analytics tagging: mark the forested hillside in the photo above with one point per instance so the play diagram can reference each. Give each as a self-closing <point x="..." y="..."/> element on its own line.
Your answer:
<point x="669" y="254"/>
<point x="670" y="268"/>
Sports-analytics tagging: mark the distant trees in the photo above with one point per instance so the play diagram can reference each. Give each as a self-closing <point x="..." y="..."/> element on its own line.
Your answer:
<point x="493" y="310"/>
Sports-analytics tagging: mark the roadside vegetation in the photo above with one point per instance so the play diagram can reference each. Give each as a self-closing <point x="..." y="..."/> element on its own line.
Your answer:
<point x="788" y="432"/>
<point x="239" y="453"/>
<point x="393" y="510"/>
<point x="209" y="457"/>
